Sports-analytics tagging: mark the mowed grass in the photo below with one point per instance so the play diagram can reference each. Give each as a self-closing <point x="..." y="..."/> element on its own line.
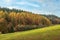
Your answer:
<point x="47" y="33"/>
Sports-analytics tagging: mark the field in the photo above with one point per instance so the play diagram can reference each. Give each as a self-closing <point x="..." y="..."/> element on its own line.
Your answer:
<point x="47" y="33"/>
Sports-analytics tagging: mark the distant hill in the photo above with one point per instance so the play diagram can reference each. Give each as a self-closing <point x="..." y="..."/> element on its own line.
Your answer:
<point x="54" y="19"/>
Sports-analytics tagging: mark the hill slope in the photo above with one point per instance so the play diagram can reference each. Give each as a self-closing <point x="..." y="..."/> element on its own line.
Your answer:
<point x="47" y="33"/>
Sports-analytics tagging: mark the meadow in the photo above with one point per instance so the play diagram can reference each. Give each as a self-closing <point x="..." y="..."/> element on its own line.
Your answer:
<point x="46" y="33"/>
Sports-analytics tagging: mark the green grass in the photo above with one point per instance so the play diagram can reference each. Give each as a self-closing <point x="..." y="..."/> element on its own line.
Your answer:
<point x="47" y="33"/>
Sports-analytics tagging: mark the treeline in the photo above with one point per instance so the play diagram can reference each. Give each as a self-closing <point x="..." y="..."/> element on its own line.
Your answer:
<point x="13" y="20"/>
<point x="54" y="19"/>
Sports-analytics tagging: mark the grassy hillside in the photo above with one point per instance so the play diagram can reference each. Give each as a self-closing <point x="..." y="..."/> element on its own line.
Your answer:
<point x="47" y="33"/>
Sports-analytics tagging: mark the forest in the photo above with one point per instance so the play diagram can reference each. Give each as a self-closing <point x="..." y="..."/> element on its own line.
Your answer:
<point x="14" y="20"/>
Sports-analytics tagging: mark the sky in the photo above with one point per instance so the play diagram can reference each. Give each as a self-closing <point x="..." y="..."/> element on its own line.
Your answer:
<point x="35" y="6"/>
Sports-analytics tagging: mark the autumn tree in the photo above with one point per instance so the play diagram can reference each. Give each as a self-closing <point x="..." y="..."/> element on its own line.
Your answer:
<point x="3" y="25"/>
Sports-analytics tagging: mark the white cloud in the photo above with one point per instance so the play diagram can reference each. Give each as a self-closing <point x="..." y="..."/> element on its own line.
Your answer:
<point x="11" y="7"/>
<point x="38" y="0"/>
<point x="7" y="1"/>
<point x="27" y="3"/>
<point x="34" y="5"/>
<point x="21" y="3"/>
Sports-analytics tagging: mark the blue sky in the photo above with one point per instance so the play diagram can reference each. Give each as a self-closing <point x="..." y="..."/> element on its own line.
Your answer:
<point x="36" y="6"/>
